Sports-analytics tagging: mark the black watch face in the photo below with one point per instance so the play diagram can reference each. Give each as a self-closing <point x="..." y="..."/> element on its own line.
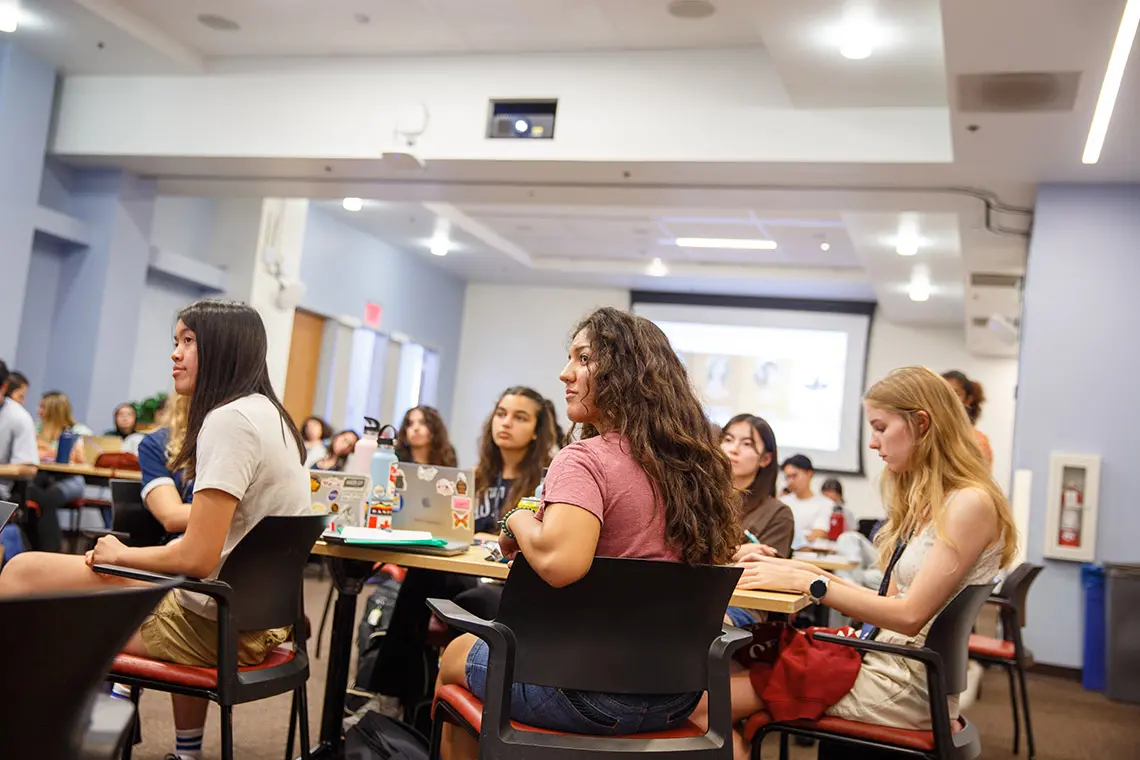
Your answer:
<point x="818" y="588"/>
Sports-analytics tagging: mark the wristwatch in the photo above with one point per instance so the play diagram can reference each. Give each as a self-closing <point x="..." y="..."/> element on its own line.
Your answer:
<point x="818" y="588"/>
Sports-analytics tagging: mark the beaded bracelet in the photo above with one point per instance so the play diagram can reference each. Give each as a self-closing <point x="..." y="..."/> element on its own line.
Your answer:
<point x="503" y="523"/>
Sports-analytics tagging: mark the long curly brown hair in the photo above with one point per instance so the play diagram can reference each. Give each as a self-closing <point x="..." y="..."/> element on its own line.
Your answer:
<point x="538" y="453"/>
<point x="441" y="453"/>
<point x="642" y="392"/>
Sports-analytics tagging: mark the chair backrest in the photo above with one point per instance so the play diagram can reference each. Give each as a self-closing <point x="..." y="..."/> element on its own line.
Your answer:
<point x="46" y="700"/>
<point x="265" y="569"/>
<point x="628" y="627"/>
<point x="949" y="634"/>
<point x="131" y="516"/>
<point x="1015" y="588"/>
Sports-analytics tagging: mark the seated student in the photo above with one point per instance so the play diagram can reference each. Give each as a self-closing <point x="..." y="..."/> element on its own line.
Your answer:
<point x="317" y="433"/>
<point x="517" y="436"/>
<point x="972" y="397"/>
<point x="52" y="492"/>
<point x="245" y="456"/>
<point x="646" y="481"/>
<point x="812" y="511"/>
<point x="833" y="490"/>
<point x="165" y="492"/>
<point x="750" y="445"/>
<point x="946" y="516"/>
<point x="423" y="438"/>
<point x="18" y="455"/>
<point x="340" y="449"/>
<point x="126" y="421"/>
<point x="17" y="388"/>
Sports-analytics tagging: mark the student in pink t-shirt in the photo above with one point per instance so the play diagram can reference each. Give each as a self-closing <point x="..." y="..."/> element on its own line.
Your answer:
<point x="646" y="481"/>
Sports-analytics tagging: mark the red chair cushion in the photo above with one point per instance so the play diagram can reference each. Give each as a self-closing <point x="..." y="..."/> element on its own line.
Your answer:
<point x="396" y="572"/>
<point x="187" y="675"/>
<point x="117" y="460"/>
<point x="471" y="709"/>
<point x="988" y="646"/>
<point x="898" y="737"/>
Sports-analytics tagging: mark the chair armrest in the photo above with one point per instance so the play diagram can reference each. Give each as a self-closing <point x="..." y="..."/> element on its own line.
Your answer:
<point x="459" y="618"/>
<point x="922" y="654"/>
<point x="1001" y="601"/>
<point x="215" y="589"/>
<point x="730" y="640"/>
<point x="100" y="532"/>
<point x="720" y="680"/>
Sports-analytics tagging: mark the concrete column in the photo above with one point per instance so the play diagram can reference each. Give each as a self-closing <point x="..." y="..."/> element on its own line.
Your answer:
<point x="26" y="90"/>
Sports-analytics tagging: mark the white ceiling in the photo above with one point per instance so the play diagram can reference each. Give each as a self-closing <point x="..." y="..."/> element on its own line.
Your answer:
<point x="541" y="222"/>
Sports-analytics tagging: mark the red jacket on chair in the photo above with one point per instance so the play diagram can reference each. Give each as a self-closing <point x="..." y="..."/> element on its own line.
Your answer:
<point x="807" y="677"/>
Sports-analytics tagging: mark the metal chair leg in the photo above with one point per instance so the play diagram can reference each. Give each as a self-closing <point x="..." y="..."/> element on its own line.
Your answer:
<point x="303" y="718"/>
<point x="1025" y="709"/>
<point x="783" y="746"/>
<point x="1013" y="702"/>
<point x="436" y="735"/>
<point x="292" y="727"/>
<point x="324" y="620"/>
<point x="227" y="732"/>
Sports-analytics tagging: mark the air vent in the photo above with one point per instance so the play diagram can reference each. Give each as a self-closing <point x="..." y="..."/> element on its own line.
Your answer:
<point x="1018" y="92"/>
<point x="985" y="322"/>
<point x="993" y="280"/>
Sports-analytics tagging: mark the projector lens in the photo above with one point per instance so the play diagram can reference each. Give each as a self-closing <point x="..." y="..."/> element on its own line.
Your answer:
<point x="522" y="125"/>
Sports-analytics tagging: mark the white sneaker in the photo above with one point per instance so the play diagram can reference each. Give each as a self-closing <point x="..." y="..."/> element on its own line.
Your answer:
<point x="380" y="703"/>
<point x="974" y="673"/>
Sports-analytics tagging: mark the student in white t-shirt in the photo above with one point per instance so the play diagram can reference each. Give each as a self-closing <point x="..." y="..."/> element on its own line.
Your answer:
<point x="245" y="456"/>
<point x="811" y="510"/>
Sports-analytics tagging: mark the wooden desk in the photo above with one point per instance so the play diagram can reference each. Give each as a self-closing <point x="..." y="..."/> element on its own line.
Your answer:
<point x="473" y="563"/>
<point x="352" y="566"/>
<point x="89" y="472"/>
<point x="830" y="564"/>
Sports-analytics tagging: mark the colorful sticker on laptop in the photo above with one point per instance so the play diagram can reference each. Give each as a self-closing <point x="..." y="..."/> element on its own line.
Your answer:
<point x="461" y="519"/>
<point x="461" y="483"/>
<point x="426" y="473"/>
<point x="319" y="508"/>
<point x="333" y="494"/>
<point x="444" y="487"/>
<point x="314" y="484"/>
<point x="460" y="503"/>
<point x="401" y="481"/>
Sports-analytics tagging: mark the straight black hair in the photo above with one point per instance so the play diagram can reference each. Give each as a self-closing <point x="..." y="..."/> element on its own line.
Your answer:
<point x="763" y="486"/>
<point x="799" y="461"/>
<point x="231" y="364"/>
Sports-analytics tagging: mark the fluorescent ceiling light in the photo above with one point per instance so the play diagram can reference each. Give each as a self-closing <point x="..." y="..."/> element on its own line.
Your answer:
<point x="352" y="204"/>
<point x="908" y="240"/>
<point x="9" y="16"/>
<point x="906" y="246"/>
<point x="919" y="289"/>
<point x="856" y="48"/>
<point x="744" y="244"/>
<point x="1109" y="89"/>
<point x="825" y="246"/>
<point x="657" y="268"/>
<point x="858" y="35"/>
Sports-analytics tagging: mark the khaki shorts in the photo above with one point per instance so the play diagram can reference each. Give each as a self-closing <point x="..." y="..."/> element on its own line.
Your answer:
<point x="175" y="634"/>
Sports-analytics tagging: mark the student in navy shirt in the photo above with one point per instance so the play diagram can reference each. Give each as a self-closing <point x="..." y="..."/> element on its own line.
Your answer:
<point x="165" y="493"/>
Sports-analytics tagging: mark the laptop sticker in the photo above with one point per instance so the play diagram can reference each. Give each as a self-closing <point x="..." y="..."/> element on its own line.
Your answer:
<point x="444" y="487"/>
<point x="460" y="520"/>
<point x="314" y="484"/>
<point x="333" y="494"/>
<point x="461" y="483"/>
<point x="461" y="511"/>
<point x="460" y="503"/>
<point x="426" y="473"/>
<point x="401" y="481"/>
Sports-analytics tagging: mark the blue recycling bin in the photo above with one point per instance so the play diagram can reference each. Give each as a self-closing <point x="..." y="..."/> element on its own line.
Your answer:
<point x="1093" y="675"/>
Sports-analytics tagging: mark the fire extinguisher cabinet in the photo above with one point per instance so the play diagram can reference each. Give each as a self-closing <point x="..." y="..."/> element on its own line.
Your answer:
<point x="1123" y="631"/>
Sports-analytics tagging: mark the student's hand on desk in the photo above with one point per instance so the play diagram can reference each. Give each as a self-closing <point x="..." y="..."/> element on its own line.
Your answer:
<point x="108" y="551"/>
<point x="772" y="574"/>
<point x="508" y="546"/>
<point x="749" y="551"/>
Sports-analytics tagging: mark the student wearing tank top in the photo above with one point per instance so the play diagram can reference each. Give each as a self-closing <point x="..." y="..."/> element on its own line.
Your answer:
<point x="245" y="457"/>
<point x="958" y="530"/>
<point x="645" y="481"/>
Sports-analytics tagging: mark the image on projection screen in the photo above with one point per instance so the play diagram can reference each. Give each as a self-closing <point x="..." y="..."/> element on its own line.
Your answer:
<point x="795" y="377"/>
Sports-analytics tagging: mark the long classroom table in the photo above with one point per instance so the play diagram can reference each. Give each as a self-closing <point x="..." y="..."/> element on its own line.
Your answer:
<point x="352" y="567"/>
<point x="90" y="473"/>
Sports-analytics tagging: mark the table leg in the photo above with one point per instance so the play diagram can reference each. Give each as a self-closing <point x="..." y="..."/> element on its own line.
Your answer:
<point x="349" y="577"/>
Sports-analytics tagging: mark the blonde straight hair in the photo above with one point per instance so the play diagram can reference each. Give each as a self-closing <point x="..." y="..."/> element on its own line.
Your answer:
<point x="57" y="416"/>
<point x="945" y="458"/>
<point x="179" y="416"/>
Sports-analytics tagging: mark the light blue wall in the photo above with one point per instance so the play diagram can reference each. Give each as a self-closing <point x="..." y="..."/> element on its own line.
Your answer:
<point x="345" y="268"/>
<point x="26" y="90"/>
<point x="38" y="320"/>
<point x="1077" y="390"/>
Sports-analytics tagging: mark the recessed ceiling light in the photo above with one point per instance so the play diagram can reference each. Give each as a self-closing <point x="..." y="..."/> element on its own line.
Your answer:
<point x="691" y="9"/>
<point x="657" y="268"/>
<point x="857" y="36"/>
<point x="744" y="244"/>
<point x="919" y="289"/>
<point x="9" y="17"/>
<point x="440" y="245"/>
<point x="352" y="204"/>
<point x="218" y="23"/>
<point x="908" y="240"/>
<point x="856" y="49"/>
<point x="1109" y="89"/>
<point x="825" y="246"/>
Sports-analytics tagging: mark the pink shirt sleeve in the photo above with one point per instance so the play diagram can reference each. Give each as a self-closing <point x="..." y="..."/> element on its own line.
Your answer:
<point x="576" y="478"/>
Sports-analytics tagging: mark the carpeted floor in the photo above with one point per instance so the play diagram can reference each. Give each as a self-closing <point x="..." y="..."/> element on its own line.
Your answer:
<point x="1069" y="723"/>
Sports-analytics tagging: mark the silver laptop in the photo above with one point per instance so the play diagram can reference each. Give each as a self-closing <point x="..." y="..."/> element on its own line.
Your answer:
<point x="440" y="500"/>
<point x="340" y="495"/>
<point x="7" y="509"/>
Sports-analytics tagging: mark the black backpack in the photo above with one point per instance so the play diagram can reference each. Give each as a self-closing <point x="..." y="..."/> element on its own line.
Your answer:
<point x="373" y="626"/>
<point x="378" y="737"/>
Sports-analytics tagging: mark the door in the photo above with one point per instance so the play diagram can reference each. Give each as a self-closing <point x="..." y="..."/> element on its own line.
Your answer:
<point x="304" y="361"/>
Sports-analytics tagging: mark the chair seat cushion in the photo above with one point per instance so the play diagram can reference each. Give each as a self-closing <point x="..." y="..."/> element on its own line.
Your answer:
<point x="470" y="708"/>
<point x="899" y="737"/>
<point x="988" y="646"/>
<point x="187" y="675"/>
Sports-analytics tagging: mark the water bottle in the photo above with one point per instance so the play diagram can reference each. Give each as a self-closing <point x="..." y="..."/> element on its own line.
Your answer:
<point x="838" y="524"/>
<point x="383" y="471"/>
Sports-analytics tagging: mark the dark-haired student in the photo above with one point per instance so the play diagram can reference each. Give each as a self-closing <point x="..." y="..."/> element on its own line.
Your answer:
<point x="17" y="388"/>
<point x="245" y="455"/>
<point x="750" y="445"/>
<point x="646" y="481"/>
<point x="423" y="439"/>
<point x="336" y="456"/>
<point x="514" y="449"/>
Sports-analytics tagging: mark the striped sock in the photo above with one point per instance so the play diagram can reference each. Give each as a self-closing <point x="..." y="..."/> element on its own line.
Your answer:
<point x="119" y="691"/>
<point x="188" y="744"/>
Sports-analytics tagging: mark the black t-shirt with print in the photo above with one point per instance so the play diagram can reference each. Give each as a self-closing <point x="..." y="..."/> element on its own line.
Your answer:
<point x="488" y="510"/>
